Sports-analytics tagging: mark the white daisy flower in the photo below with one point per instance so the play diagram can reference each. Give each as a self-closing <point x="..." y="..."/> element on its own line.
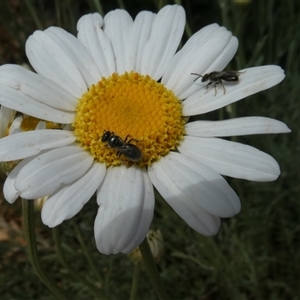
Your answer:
<point x="124" y="76"/>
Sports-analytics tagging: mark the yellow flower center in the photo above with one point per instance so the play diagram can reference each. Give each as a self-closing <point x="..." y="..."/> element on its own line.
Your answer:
<point x="29" y="123"/>
<point x="133" y="106"/>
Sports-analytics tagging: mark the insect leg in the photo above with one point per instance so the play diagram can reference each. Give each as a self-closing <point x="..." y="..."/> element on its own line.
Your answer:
<point x="223" y="87"/>
<point x="207" y="87"/>
<point x="127" y="136"/>
<point x="132" y="140"/>
<point x="119" y="153"/>
<point x="215" y="86"/>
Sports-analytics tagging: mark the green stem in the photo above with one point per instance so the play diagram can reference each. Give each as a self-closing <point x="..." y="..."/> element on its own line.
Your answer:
<point x="60" y="252"/>
<point x="57" y="13"/>
<point x="28" y="219"/>
<point x="135" y="281"/>
<point x="87" y="253"/>
<point x="33" y="13"/>
<point x="121" y="4"/>
<point x="99" y="7"/>
<point x="152" y="270"/>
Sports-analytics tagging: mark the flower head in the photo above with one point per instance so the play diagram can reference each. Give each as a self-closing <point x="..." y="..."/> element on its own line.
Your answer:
<point x="125" y="77"/>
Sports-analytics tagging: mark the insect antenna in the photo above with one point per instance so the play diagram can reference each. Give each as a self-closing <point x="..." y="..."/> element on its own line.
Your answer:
<point x="196" y="75"/>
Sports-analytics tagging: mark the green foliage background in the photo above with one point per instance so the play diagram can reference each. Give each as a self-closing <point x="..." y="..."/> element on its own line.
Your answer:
<point x="256" y="254"/>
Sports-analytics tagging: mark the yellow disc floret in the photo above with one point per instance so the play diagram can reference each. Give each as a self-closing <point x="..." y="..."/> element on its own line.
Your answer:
<point x="130" y="105"/>
<point x="29" y="123"/>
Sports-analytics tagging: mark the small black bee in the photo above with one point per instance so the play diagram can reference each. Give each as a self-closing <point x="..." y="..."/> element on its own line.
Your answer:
<point x="130" y="151"/>
<point x="216" y="77"/>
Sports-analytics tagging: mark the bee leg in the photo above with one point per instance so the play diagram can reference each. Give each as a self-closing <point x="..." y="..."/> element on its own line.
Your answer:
<point x="119" y="153"/>
<point x="127" y="136"/>
<point x="132" y="140"/>
<point x="207" y="87"/>
<point x="223" y="87"/>
<point x="215" y="86"/>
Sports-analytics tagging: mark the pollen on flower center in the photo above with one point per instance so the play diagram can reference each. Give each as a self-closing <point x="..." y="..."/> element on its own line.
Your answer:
<point x="30" y="123"/>
<point x="130" y="105"/>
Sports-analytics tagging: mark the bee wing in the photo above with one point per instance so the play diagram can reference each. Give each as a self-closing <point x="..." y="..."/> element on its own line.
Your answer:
<point x="232" y="72"/>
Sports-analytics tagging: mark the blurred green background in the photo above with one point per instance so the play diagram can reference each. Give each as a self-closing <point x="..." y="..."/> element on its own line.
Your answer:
<point x="256" y="254"/>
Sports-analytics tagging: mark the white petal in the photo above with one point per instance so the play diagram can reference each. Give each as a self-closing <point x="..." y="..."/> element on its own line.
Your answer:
<point x="46" y="173"/>
<point x="25" y="144"/>
<point x="37" y="87"/>
<point x="252" y="81"/>
<point x="50" y="60"/>
<point x="146" y="217"/>
<point x="15" y="125"/>
<point x="15" y="99"/>
<point x="41" y="125"/>
<point x="219" y="63"/>
<point x="34" y="95"/>
<point x="235" y="127"/>
<point x="201" y="185"/>
<point x="166" y="33"/>
<point x="126" y="203"/>
<point x="141" y="30"/>
<point x="6" y="117"/>
<point x="230" y="158"/>
<point x="187" y="208"/>
<point x="118" y="26"/>
<point x="9" y="191"/>
<point x="77" y="52"/>
<point x="70" y="199"/>
<point x="211" y="48"/>
<point x="97" y="43"/>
